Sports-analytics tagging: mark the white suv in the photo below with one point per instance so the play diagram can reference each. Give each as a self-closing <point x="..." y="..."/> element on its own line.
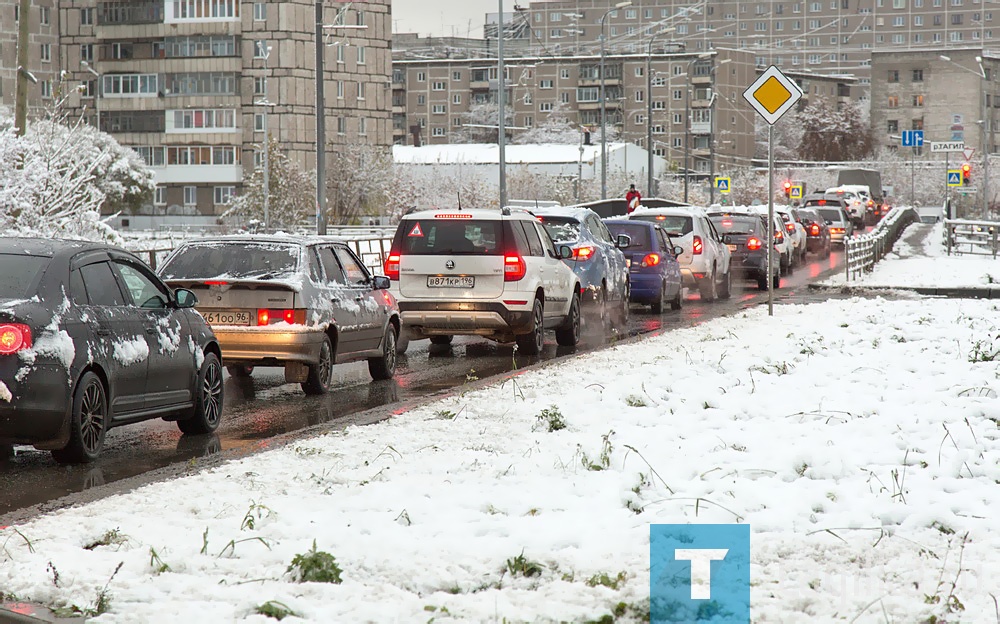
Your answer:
<point x="705" y="261"/>
<point x="491" y="273"/>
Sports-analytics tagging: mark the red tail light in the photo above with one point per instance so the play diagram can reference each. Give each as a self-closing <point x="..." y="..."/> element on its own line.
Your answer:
<point x="790" y="227"/>
<point x="583" y="253"/>
<point x="814" y="229"/>
<point x="753" y="244"/>
<point x="267" y="317"/>
<point x="514" y="268"/>
<point x="697" y="246"/>
<point x="14" y="337"/>
<point x="779" y="237"/>
<point x="871" y="203"/>
<point x="215" y="283"/>
<point x="392" y="266"/>
<point x="651" y="260"/>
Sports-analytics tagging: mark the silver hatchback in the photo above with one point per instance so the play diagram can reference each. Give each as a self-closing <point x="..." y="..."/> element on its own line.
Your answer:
<point x="304" y="303"/>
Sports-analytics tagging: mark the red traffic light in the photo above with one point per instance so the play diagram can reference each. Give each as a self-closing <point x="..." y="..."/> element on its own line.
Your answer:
<point x="966" y="169"/>
<point x="788" y="185"/>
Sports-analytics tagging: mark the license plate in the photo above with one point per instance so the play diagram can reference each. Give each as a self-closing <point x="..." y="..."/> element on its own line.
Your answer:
<point x="227" y="318"/>
<point x="449" y="281"/>
<point x="731" y="247"/>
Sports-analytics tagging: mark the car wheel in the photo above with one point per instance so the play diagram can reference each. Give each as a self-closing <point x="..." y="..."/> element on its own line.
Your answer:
<point x="384" y="367"/>
<point x="532" y="342"/>
<point x="402" y="343"/>
<point x="678" y="300"/>
<point x="762" y="283"/>
<point x="623" y="309"/>
<point x="656" y="307"/>
<point x="569" y="334"/>
<point x="441" y="340"/>
<point x="726" y="289"/>
<point x="602" y="316"/>
<point x="827" y="249"/>
<point x="707" y="287"/>
<point x="208" y="399"/>
<point x="88" y="422"/>
<point x="776" y="281"/>
<point x="320" y="373"/>
<point x="239" y="370"/>
<point x="789" y="267"/>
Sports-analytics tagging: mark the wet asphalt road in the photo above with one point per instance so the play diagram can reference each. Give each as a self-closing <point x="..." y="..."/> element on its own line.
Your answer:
<point x="259" y="409"/>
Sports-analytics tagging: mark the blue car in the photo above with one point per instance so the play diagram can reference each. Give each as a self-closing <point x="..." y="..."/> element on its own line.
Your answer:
<point x="654" y="273"/>
<point x="597" y="261"/>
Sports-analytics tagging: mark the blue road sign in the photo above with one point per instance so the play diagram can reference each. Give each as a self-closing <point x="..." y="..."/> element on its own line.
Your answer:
<point x="722" y="184"/>
<point x="954" y="177"/>
<point x="913" y="138"/>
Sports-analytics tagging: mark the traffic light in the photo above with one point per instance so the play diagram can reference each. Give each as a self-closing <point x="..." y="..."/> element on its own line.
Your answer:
<point x="788" y="188"/>
<point x="966" y="174"/>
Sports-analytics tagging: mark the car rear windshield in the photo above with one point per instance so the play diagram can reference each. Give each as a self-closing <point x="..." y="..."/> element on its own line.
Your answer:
<point x="561" y="229"/>
<point x="830" y="214"/>
<point x="674" y="225"/>
<point x="736" y="224"/>
<point x="638" y="233"/>
<point x="232" y="260"/>
<point x="18" y="273"/>
<point x="434" y="237"/>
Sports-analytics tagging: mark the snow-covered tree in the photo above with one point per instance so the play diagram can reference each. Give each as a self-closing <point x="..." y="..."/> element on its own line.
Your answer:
<point x="484" y="114"/>
<point x="358" y="177"/>
<point x="555" y="128"/>
<point x="787" y="136"/>
<point x="291" y="192"/>
<point x="830" y="134"/>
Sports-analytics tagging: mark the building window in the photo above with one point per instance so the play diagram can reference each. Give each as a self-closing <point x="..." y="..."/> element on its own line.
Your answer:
<point x="341" y="125"/>
<point x="438" y="85"/>
<point x="456" y="98"/>
<point x="438" y="109"/>
<point x="87" y="16"/>
<point x="259" y="123"/>
<point x="893" y="101"/>
<point x="190" y="195"/>
<point x="588" y="94"/>
<point x="918" y="100"/>
<point x="421" y="100"/>
<point x="160" y="196"/>
<point x="892" y="126"/>
<point x="545" y="107"/>
<point x="456" y="75"/>
<point x="640" y="96"/>
<point x="640" y="118"/>
<point x="87" y="52"/>
<point x="260" y="49"/>
<point x="362" y="55"/>
<point x="259" y="85"/>
<point x="204" y="119"/>
<point x="199" y="9"/>
<point x="564" y="97"/>
<point x="224" y="195"/>
<point x="43" y="15"/>
<point x="545" y="84"/>
<point x="456" y="121"/>
<point x="421" y="76"/>
<point x="361" y="90"/>
<point x="361" y="18"/>
<point x="564" y="73"/>
<point x="340" y="89"/>
<point x="437" y="131"/>
<point x="918" y="75"/>
<point x="363" y="126"/>
<point x="46" y="52"/>
<point x="259" y="11"/>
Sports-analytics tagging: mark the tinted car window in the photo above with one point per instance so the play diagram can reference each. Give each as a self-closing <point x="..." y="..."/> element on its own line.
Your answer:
<point x="638" y="233"/>
<point x="18" y="273"/>
<point x="736" y="224"/>
<point x="145" y="293"/>
<point x="356" y="274"/>
<point x="77" y="291"/>
<point x="102" y="287"/>
<point x="234" y="260"/>
<point x="601" y="232"/>
<point x="674" y="225"/>
<point x="831" y="214"/>
<point x="330" y="265"/>
<point x="546" y="240"/>
<point x="534" y="242"/>
<point x="452" y="236"/>
<point x="562" y="229"/>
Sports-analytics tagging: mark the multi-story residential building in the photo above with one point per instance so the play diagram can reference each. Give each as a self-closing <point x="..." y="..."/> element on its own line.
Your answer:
<point x="823" y="35"/>
<point x="916" y="90"/>
<point x="194" y="85"/>
<point x="434" y="98"/>
<point x="43" y="52"/>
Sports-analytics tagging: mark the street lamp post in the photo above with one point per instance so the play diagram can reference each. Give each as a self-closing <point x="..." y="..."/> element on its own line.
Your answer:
<point x="267" y="140"/>
<point x="711" y="133"/>
<point x="983" y="137"/>
<point x="604" y="120"/>
<point x="501" y="113"/>
<point x="687" y="122"/>
<point x="97" y="94"/>
<point x="649" y="112"/>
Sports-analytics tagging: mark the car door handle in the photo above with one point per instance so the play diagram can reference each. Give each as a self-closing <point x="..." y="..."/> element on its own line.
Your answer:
<point x="103" y="331"/>
<point x="150" y="330"/>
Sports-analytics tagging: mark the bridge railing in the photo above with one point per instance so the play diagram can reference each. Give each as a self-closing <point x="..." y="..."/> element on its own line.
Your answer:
<point x="962" y="236"/>
<point x="862" y="252"/>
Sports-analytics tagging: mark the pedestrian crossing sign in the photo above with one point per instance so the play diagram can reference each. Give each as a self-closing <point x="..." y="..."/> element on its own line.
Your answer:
<point x="722" y="185"/>
<point x="795" y="192"/>
<point x="954" y="177"/>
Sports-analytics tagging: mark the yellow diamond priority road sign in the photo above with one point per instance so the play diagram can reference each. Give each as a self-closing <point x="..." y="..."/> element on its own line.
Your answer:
<point x="772" y="94"/>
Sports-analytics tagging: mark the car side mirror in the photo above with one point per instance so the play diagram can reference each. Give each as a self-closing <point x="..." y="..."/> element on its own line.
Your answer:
<point x="623" y="241"/>
<point x="828" y="222"/>
<point x="565" y="252"/>
<point x="726" y="238"/>
<point x="184" y="298"/>
<point x="380" y="282"/>
<point x="678" y="250"/>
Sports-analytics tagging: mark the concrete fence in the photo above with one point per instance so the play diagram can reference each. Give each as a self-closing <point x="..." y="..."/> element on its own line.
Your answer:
<point x="862" y="252"/>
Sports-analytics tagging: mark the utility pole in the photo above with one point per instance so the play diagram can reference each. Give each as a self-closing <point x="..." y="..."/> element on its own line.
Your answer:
<point x="21" y="97"/>
<point x="320" y="126"/>
<point x="501" y="105"/>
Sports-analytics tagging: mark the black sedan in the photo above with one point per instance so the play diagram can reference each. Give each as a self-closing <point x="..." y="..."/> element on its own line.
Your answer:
<point x="91" y="339"/>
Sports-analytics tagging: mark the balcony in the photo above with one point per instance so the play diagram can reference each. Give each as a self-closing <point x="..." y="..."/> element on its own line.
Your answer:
<point x="198" y="174"/>
<point x="701" y="127"/>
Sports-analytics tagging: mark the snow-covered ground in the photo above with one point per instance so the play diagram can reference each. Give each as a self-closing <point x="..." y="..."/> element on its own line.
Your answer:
<point x="857" y="437"/>
<point x="927" y="265"/>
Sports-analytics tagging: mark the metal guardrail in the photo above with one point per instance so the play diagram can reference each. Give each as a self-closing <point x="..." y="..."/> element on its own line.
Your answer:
<point x="862" y="252"/>
<point x="372" y="252"/>
<point x="962" y="236"/>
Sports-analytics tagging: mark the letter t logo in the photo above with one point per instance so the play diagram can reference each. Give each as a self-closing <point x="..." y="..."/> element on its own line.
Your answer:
<point x="701" y="568"/>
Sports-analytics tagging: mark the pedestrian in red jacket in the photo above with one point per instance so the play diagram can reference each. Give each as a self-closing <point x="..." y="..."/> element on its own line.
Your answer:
<point x="632" y="198"/>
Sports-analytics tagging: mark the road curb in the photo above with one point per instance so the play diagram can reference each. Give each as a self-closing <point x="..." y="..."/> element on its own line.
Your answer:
<point x="948" y="293"/>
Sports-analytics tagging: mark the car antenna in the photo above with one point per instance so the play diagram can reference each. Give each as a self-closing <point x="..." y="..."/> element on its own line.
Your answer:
<point x="459" y="193"/>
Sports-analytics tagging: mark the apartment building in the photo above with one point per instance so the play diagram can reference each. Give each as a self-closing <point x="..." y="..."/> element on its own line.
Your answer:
<point x="43" y="52"/>
<point x="916" y="90"/>
<point x="822" y="35"/>
<point x="194" y="86"/>
<point x="646" y="97"/>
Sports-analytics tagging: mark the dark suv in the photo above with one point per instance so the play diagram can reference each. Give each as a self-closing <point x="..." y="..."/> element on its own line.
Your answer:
<point x="745" y="234"/>
<point x="817" y="231"/>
